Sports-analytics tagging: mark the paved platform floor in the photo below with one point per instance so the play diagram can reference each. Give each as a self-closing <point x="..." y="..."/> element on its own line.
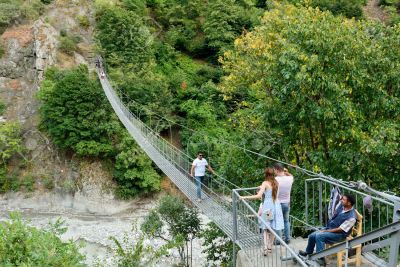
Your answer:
<point x="274" y="259"/>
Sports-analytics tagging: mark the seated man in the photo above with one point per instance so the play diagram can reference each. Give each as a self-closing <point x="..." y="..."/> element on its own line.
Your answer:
<point x="337" y="229"/>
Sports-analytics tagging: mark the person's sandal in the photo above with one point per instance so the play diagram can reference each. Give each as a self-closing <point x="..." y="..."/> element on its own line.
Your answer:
<point x="266" y="250"/>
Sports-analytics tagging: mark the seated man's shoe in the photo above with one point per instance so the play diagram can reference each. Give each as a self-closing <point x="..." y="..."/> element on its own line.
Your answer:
<point x="303" y="253"/>
<point x="321" y="261"/>
<point x="276" y="243"/>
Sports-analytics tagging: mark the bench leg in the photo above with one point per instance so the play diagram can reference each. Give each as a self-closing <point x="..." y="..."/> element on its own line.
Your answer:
<point x="339" y="259"/>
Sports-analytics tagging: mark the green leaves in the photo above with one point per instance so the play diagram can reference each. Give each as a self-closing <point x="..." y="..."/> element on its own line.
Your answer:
<point x="133" y="170"/>
<point x="181" y="221"/>
<point x="23" y="245"/>
<point x="10" y="140"/>
<point x="323" y="86"/>
<point x="124" y="37"/>
<point x="76" y="113"/>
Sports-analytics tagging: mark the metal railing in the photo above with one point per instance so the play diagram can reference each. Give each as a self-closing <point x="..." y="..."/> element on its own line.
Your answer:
<point x="236" y="217"/>
<point x="383" y="210"/>
<point x="249" y="236"/>
<point x="174" y="163"/>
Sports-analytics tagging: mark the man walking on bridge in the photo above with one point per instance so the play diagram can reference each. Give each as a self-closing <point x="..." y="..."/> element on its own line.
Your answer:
<point x="199" y="169"/>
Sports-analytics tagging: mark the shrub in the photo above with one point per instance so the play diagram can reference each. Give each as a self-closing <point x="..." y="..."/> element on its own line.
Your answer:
<point x="69" y="186"/>
<point x="76" y="113"/>
<point x="2" y="50"/>
<point x="48" y="182"/>
<point x="348" y="8"/>
<point x="24" y="245"/>
<point x="28" y="182"/>
<point x="84" y="21"/>
<point x="67" y="45"/>
<point x="2" y="108"/>
<point x="125" y="38"/>
<point x="133" y="170"/>
<point x="10" y="140"/>
<point x="181" y="221"/>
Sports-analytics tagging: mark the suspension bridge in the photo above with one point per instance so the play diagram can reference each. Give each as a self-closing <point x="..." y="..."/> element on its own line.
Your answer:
<point x="238" y="218"/>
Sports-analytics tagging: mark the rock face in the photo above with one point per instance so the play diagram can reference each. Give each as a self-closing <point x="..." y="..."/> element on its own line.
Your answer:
<point x="44" y="46"/>
<point x="29" y="50"/>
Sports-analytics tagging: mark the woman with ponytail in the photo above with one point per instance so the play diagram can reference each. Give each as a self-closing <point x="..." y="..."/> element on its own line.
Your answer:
<point x="271" y="210"/>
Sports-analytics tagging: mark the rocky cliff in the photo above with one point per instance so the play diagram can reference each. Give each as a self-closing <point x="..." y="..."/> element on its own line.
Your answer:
<point x="29" y="50"/>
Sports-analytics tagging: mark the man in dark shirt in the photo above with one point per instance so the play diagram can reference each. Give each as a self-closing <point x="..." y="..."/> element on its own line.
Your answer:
<point x="337" y="229"/>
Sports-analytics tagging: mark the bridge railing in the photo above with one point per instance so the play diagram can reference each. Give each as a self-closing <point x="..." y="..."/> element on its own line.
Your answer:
<point x="382" y="209"/>
<point x="245" y="218"/>
<point x="248" y="234"/>
<point x="219" y="188"/>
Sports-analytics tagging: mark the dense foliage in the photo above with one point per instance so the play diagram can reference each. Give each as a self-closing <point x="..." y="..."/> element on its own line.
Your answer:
<point x="301" y="84"/>
<point x="19" y="10"/>
<point x="325" y="89"/>
<point x="23" y="245"/>
<point x="347" y="8"/>
<point x="78" y="117"/>
<point x="76" y="113"/>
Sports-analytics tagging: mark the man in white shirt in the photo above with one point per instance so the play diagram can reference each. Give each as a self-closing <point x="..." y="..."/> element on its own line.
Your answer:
<point x="285" y="181"/>
<point x="198" y="171"/>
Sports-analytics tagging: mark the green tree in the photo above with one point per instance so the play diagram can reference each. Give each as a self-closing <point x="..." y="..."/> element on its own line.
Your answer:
<point x="182" y="223"/>
<point x="76" y="113"/>
<point x="322" y="89"/>
<point x="23" y="245"/>
<point x="10" y="140"/>
<point x="124" y="37"/>
<point x="133" y="171"/>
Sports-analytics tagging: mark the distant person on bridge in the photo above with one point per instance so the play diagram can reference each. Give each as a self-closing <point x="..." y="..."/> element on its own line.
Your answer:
<point x="198" y="171"/>
<point x="285" y="181"/>
<point x="337" y="229"/>
<point x="271" y="208"/>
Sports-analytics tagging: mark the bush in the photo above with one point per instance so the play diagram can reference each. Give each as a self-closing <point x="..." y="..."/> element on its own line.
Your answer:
<point x="48" y="182"/>
<point x="2" y="108"/>
<point x="84" y="21"/>
<point x="69" y="186"/>
<point x="133" y="170"/>
<point x="10" y="140"/>
<point x="28" y="182"/>
<point x="23" y="245"/>
<point x="67" y="45"/>
<point x="347" y="8"/>
<point x="2" y="51"/>
<point x="76" y="114"/>
<point x="125" y="38"/>
<point x="7" y="183"/>
<point x="182" y="224"/>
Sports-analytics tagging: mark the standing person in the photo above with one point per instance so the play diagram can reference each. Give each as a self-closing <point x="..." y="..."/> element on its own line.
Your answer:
<point x="271" y="208"/>
<point x="198" y="171"/>
<point x="285" y="181"/>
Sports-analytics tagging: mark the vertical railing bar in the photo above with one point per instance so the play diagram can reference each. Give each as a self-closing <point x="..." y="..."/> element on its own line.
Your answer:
<point x="320" y="201"/>
<point x="306" y="199"/>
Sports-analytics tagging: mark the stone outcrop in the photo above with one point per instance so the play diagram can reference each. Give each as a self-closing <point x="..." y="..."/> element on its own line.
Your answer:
<point x="44" y="46"/>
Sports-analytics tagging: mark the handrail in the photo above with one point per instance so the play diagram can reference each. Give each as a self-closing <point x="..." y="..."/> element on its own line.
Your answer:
<point x="294" y="255"/>
<point x="386" y="230"/>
